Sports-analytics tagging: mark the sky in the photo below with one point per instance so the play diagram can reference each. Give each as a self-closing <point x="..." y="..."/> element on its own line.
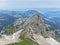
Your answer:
<point x="24" y="4"/>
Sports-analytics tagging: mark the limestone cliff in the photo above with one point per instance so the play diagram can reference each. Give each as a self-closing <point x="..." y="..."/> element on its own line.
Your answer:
<point x="35" y="25"/>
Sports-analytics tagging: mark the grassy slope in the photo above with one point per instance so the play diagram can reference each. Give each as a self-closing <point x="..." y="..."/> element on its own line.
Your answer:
<point x="58" y="38"/>
<point x="25" y="42"/>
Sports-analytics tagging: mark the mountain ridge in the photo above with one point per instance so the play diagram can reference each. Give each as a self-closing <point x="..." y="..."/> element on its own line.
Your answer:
<point x="33" y="28"/>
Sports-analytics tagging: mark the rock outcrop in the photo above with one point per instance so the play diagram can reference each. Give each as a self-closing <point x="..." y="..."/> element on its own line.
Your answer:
<point x="35" y="25"/>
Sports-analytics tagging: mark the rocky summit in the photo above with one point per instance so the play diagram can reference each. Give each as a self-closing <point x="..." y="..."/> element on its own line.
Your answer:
<point x="35" y="25"/>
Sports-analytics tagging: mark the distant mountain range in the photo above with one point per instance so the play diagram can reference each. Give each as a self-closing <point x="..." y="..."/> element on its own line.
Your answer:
<point x="50" y="17"/>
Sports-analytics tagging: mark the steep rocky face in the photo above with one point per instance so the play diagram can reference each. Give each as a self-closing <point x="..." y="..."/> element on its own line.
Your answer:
<point x="51" y="34"/>
<point x="35" y="25"/>
<point x="20" y="21"/>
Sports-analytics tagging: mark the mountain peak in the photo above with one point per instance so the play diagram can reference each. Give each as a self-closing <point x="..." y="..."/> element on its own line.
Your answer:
<point x="35" y="25"/>
<point x="36" y="15"/>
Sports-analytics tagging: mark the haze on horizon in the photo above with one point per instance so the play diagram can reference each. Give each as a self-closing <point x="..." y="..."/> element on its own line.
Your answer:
<point x="29" y="4"/>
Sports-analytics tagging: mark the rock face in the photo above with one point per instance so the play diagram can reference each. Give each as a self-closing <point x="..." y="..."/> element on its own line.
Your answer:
<point x="19" y="21"/>
<point x="51" y="34"/>
<point x="35" y="25"/>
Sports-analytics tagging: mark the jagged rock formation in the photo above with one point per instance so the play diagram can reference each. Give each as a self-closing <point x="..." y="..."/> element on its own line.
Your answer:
<point x="35" y="25"/>
<point x="19" y="21"/>
<point x="51" y="34"/>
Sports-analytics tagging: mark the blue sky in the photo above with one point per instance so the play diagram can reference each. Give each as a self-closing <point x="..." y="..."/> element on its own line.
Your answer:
<point x="24" y="4"/>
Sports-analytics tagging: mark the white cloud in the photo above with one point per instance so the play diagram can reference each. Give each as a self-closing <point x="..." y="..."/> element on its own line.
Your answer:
<point x="17" y="4"/>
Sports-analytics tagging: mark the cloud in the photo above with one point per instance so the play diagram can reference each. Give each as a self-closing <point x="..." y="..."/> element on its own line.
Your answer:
<point x="21" y="4"/>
